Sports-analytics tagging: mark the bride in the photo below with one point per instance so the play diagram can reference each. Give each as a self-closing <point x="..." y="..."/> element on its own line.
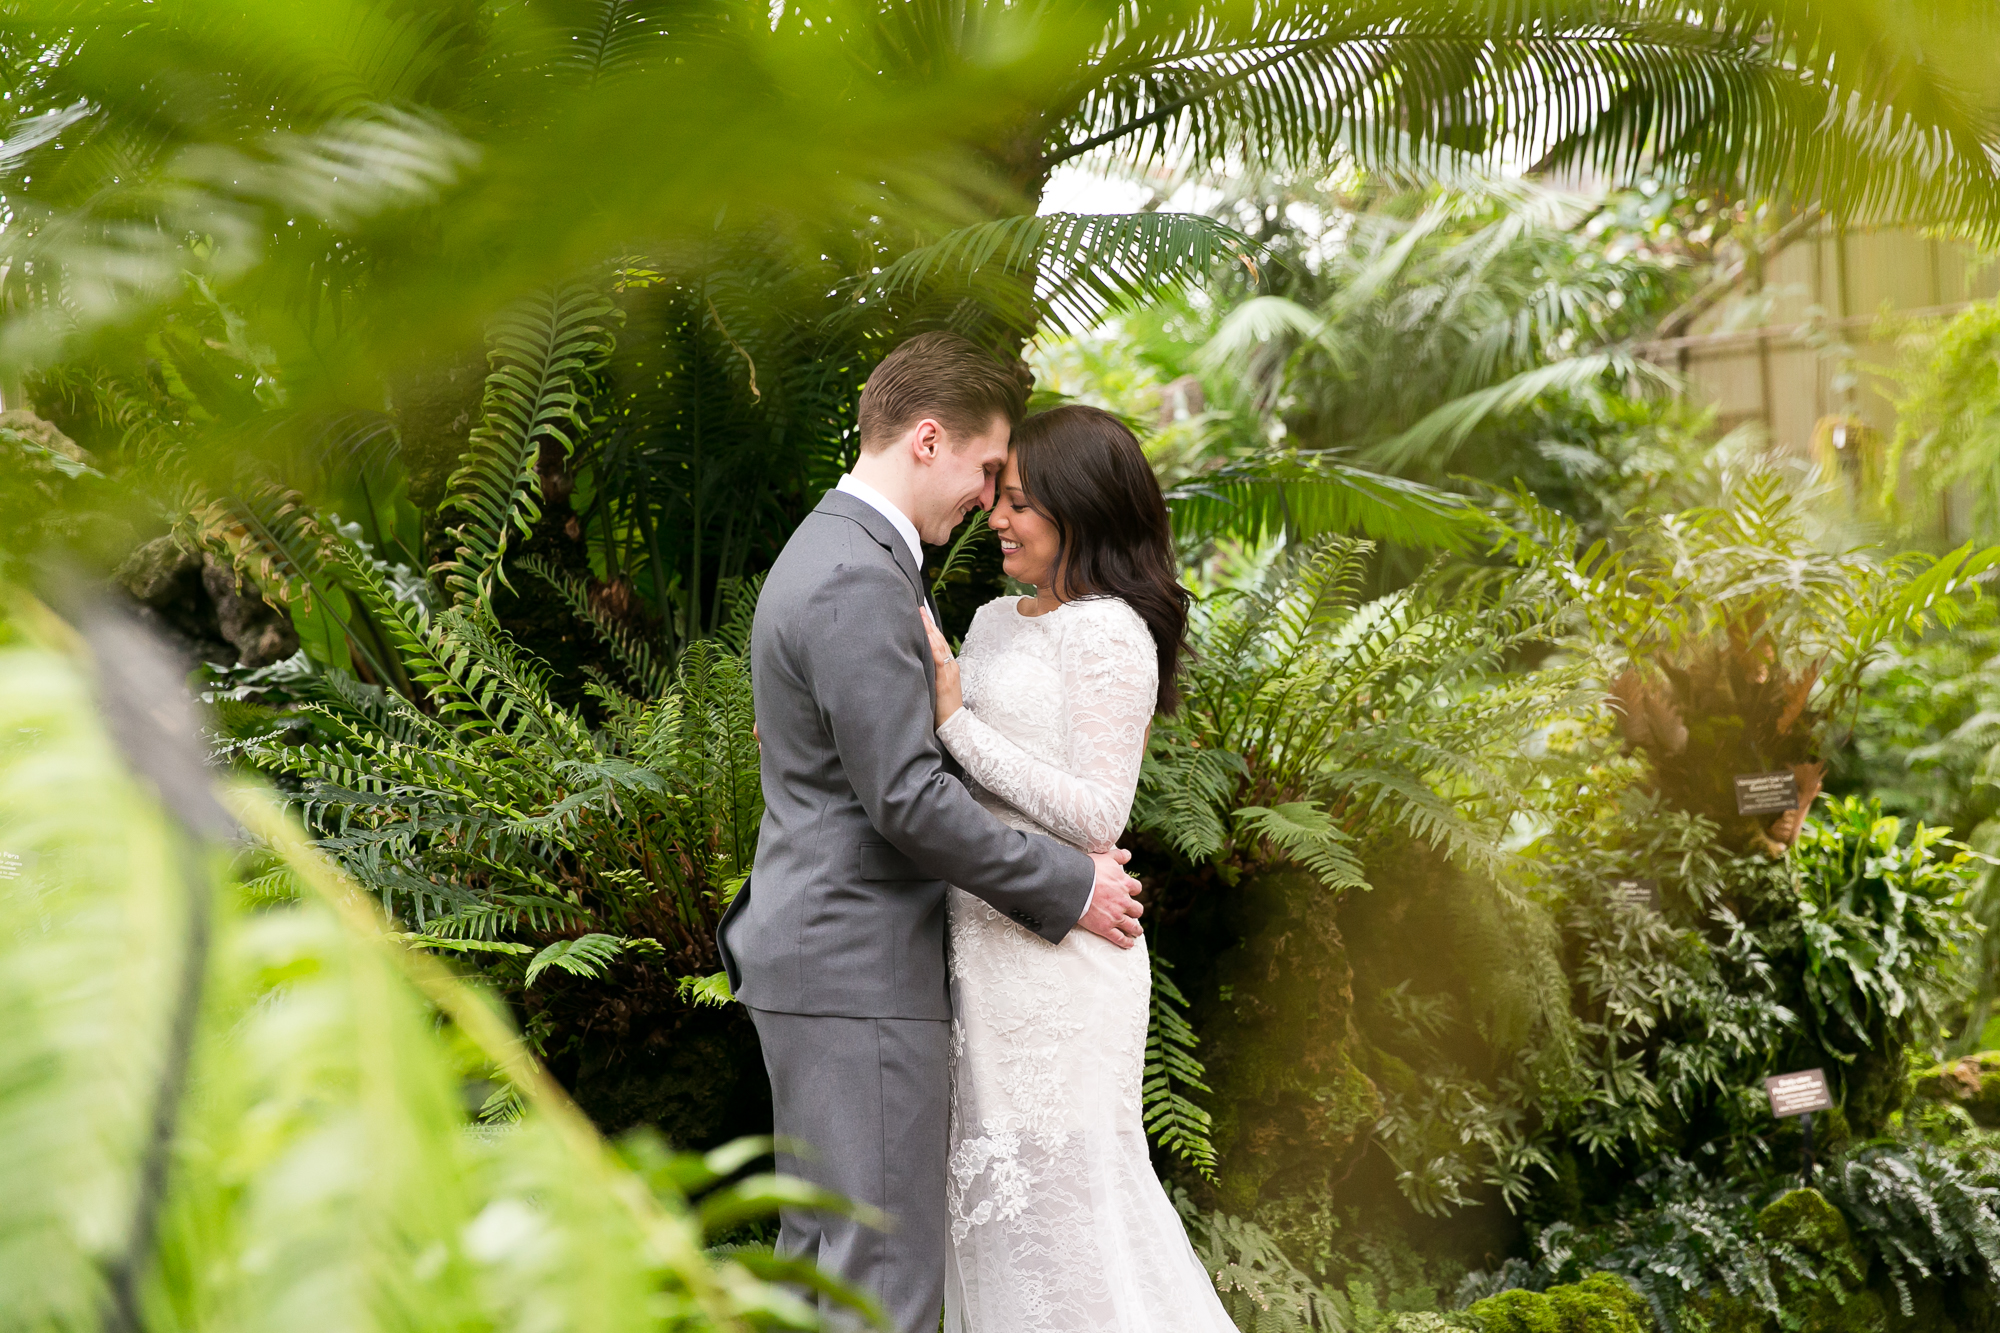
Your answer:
<point x="1058" y="1224"/>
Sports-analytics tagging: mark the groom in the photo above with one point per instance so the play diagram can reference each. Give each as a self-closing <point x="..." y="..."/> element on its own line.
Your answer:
<point x="839" y="949"/>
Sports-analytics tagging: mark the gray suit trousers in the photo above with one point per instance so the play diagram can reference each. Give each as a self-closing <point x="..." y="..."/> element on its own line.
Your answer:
<point x="868" y="1099"/>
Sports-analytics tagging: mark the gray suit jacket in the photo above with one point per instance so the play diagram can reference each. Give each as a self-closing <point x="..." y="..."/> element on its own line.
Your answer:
<point x="865" y="819"/>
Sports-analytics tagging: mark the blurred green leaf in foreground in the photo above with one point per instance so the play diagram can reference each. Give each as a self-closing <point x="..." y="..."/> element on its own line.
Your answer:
<point x="227" y="1100"/>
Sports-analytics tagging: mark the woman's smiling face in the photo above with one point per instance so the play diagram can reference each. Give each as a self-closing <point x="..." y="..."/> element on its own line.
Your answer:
<point x="1028" y="540"/>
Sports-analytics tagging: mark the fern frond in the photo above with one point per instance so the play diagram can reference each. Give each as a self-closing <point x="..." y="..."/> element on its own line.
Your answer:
<point x="1304" y="832"/>
<point x="1175" y="1121"/>
<point x="1183" y="789"/>
<point x="958" y="555"/>
<point x="585" y="956"/>
<point x="647" y="672"/>
<point x="543" y="354"/>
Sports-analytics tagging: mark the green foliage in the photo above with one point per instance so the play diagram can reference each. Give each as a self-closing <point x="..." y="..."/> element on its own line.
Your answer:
<point x="1263" y="1290"/>
<point x="1948" y="412"/>
<point x="1686" y="1245"/>
<point x="1752" y="571"/>
<point x="1928" y="719"/>
<point x="1308" y="495"/>
<point x="1176" y="1122"/>
<point x="224" y="1107"/>
<point x="542" y="356"/>
<point x="1600" y="1303"/>
<point x="1398" y="85"/>
<point x="1736" y="638"/>
<point x="1320" y="731"/>
<point x="1884" y="927"/>
<point x="1922" y="744"/>
<point x="1318" y="718"/>
<point x="1928" y="1215"/>
<point x="1067" y="271"/>
<point x="1411" y="333"/>
<point x="958" y="555"/>
<point x="495" y="816"/>
<point x="1750" y="968"/>
<point x="45" y="480"/>
<point x="1714" y="1258"/>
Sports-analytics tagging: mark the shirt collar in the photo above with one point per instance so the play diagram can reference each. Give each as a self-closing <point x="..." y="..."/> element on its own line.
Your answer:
<point x="875" y="500"/>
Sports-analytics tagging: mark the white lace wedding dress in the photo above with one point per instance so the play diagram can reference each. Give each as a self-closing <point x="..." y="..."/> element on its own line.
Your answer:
<point x="1058" y="1224"/>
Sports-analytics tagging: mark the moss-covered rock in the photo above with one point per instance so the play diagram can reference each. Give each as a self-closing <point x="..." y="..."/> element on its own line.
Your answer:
<point x="1601" y="1303"/>
<point x="1429" y="1323"/>
<point x="1973" y="1083"/>
<point x="1831" y="1298"/>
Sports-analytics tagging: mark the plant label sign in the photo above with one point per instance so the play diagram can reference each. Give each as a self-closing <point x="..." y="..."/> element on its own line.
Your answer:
<point x="1799" y="1093"/>
<point x="1636" y="893"/>
<point x="1766" y="793"/>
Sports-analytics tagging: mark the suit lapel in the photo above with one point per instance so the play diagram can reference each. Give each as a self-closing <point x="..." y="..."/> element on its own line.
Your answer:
<point x="885" y="535"/>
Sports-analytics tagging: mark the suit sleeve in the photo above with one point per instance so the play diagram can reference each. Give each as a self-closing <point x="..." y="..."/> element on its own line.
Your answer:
<point x="865" y="652"/>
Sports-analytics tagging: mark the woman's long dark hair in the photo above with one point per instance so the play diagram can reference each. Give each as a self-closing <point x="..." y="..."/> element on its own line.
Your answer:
<point x="1082" y="467"/>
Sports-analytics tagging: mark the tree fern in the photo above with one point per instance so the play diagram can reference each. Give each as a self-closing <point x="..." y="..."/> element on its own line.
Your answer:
<point x="542" y="355"/>
<point x="1316" y="724"/>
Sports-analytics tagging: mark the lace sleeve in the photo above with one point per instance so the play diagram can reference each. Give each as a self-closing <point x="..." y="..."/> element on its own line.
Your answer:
<point x="1110" y="676"/>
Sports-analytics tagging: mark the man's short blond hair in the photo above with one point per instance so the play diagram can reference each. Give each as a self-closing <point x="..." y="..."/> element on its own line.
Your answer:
<point x="945" y="377"/>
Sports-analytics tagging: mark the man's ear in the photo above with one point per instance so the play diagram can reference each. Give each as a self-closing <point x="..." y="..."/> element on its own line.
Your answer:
<point x="927" y="441"/>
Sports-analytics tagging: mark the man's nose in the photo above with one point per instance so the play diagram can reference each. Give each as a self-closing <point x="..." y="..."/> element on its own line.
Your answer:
<point x="986" y="494"/>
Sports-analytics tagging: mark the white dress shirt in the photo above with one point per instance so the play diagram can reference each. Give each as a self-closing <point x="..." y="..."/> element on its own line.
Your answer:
<point x="879" y="502"/>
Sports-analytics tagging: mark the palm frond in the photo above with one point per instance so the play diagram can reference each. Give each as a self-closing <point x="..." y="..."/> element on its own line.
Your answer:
<point x="1432" y="440"/>
<point x="1306" y="497"/>
<point x="1836" y="110"/>
<point x="1067" y="271"/>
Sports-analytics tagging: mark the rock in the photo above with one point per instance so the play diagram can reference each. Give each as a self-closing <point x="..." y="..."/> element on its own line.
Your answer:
<point x="1972" y="1082"/>
<point x="202" y="608"/>
<point x="260" y="633"/>
<point x="25" y="423"/>
<point x="158" y="572"/>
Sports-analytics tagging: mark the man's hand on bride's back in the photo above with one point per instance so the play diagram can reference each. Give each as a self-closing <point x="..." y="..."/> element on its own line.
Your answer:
<point x="1114" y="900"/>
